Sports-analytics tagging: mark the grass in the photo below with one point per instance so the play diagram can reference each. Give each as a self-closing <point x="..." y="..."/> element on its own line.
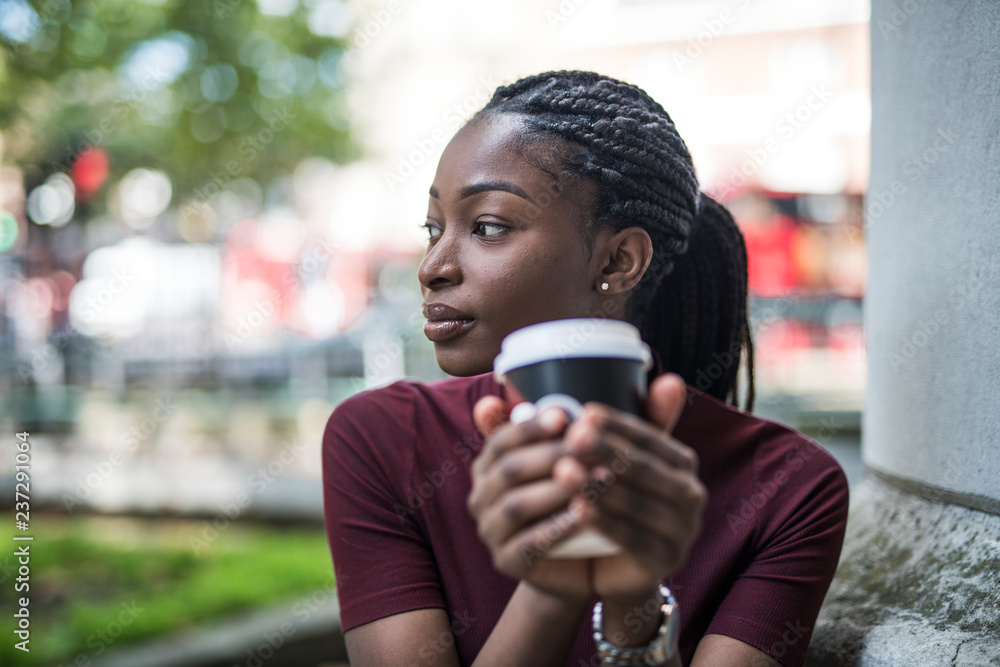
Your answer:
<point x="102" y="581"/>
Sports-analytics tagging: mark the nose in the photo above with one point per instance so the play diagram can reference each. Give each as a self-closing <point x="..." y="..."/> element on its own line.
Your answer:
<point x="440" y="266"/>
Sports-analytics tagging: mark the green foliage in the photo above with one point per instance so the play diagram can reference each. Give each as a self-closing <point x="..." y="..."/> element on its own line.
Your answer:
<point x="187" y="86"/>
<point x="87" y="572"/>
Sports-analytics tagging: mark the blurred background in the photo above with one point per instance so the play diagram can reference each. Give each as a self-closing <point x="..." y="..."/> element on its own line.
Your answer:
<point x="209" y="236"/>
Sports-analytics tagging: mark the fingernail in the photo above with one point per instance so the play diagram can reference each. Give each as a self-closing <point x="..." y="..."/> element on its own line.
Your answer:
<point x="550" y="418"/>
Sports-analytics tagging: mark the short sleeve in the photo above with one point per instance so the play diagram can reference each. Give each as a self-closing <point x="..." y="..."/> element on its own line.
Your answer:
<point x="382" y="560"/>
<point x="774" y="601"/>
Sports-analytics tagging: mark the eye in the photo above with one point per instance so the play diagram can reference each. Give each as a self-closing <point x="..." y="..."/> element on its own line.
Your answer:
<point x="430" y="230"/>
<point x="499" y="230"/>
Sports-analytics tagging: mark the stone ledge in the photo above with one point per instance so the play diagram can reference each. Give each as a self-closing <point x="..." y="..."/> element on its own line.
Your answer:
<point x="306" y="632"/>
<point x="917" y="584"/>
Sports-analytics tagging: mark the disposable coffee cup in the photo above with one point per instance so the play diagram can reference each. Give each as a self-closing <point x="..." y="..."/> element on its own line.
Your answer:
<point x="568" y="363"/>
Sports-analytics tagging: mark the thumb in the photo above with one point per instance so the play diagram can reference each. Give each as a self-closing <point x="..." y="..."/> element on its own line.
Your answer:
<point x="666" y="400"/>
<point x="489" y="413"/>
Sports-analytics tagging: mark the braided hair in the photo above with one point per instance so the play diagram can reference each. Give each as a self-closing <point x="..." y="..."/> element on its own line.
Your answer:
<point x="691" y="303"/>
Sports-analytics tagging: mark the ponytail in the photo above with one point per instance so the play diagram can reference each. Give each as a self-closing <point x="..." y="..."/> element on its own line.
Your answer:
<point x="696" y="319"/>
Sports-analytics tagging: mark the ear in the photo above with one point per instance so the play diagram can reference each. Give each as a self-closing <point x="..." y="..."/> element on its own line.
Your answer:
<point x="625" y="256"/>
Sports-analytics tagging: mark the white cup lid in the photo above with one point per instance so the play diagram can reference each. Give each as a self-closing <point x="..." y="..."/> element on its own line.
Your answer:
<point x="571" y="338"/>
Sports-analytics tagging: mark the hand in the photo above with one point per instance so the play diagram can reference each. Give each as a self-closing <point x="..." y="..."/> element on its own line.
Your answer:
<point x="624" y="475"/>
<point x="522" y="482"/>
<point x="643" y="492"/>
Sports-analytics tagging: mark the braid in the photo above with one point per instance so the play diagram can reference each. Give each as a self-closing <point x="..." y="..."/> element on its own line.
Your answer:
<point x="690" y="304"/>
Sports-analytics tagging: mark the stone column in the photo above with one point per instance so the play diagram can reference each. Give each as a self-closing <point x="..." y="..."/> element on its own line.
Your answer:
<point x="919" y="578"/>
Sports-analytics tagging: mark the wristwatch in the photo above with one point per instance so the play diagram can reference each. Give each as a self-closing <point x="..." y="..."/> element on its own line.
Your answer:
<point x="657" y="652"/>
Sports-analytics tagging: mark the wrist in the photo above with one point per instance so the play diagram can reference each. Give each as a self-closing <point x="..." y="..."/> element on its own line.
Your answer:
<point x="632" y="621"/>
<point x="620" y="650"/>
<point x="555" y="604"/>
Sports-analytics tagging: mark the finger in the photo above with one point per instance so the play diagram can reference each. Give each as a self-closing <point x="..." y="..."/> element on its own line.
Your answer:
<point x="547" y="424"/>
<point x="598" y="418"/>
<point x="665" y="400"/>
<point x="489" y="413"/>
<point x="669" y="519"/>
<point x="650" y="549"/>
<point x="522" y="549"/>
<point x="514" y="468"/>
<point x="521" y="506"/>
<point x="569" y="471"/>
<point x="615" y="461"/>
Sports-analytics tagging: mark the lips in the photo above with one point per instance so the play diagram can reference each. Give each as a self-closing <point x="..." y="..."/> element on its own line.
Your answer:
<point x="444" y="322"/>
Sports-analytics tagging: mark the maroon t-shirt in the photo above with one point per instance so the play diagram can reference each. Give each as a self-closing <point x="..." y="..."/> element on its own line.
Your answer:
<point x="396" y="477"/>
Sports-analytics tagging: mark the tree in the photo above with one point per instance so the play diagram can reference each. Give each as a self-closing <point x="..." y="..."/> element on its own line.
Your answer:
<point x="205" y="91"/>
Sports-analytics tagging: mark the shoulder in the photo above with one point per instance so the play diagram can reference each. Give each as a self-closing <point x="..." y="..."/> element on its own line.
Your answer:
<point x="398" y="406"/>
<point x="376" y="438"/>
<point x="715" y="428"/>
<point x="771" y="473"/>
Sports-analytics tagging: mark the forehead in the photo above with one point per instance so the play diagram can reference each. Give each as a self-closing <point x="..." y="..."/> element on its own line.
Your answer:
<point x="494" y="148"/>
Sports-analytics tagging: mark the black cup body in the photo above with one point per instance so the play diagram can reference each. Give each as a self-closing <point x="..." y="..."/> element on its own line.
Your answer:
<point x="620" y="383"/>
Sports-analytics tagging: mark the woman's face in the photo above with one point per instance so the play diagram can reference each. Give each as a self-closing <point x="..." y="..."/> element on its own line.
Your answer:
<point x="503" y="248"/>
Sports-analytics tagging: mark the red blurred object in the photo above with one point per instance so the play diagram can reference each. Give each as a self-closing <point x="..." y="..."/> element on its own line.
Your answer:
<point x="90" y="171"/>
<point x="770" y="265"/>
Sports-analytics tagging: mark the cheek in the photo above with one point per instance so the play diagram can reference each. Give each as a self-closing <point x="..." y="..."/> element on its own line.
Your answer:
<point x="548" y="280"/>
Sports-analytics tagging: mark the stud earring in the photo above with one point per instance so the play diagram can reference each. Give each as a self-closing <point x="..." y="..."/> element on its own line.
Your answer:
<point x="605" y="287"/>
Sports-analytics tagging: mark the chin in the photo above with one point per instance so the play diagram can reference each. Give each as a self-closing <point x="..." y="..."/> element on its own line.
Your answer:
<point x="461" y="365"/>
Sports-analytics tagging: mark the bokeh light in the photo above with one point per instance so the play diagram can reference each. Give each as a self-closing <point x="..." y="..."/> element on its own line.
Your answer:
<point x="219" y="82"/>
<point x="331" y="18"/>
<point x="279" y="236"/>
<point x="277" y="7"/>
<point x="52" y="203"/>
<point x="142" y="195"/>
<point x="8" y="230"/>
<point x="197" y="222"/>
<point x="90" y="170"/>
<point x="18" y="21"/>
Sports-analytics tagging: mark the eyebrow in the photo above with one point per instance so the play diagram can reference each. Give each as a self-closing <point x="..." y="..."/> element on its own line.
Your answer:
<point x="486" y="186"/>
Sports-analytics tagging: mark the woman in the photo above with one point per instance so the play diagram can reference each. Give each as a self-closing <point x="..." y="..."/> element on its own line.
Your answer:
<point x="570" y="194"/>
